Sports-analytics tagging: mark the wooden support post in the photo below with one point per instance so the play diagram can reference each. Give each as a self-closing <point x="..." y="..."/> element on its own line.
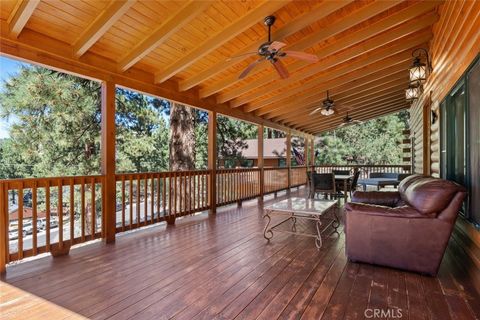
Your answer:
<point x="289" y="160"/>
<point x="108" y="160"/>
<point x="212" y="161"/>
<point x="260" y="162"/>
<point x="4" y="247"/>
<point x="312" y="153"/>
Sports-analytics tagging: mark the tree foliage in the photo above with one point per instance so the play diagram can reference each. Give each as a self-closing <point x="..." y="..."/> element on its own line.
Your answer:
<point x="373" y="142"/>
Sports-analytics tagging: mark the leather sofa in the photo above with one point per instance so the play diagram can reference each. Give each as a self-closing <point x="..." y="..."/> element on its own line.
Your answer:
<point x="407" y="229"/>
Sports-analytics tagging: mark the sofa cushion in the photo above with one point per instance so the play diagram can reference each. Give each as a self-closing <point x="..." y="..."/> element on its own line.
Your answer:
<point x="428" y="195"/>
<point x="383" y="198"/>
<point x="376" y="210"/>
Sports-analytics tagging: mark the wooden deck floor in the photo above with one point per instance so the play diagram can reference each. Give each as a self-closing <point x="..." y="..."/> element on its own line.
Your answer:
<point x="221" y="267"/>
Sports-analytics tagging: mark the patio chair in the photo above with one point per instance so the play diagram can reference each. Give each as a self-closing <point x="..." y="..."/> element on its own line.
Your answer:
<point x="341" y="172"/>
<point x="323" y="183"/>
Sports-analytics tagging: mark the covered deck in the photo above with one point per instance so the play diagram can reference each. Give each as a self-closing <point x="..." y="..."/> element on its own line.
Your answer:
<point x="189" y="244"/>
<point x="222" y="268"/>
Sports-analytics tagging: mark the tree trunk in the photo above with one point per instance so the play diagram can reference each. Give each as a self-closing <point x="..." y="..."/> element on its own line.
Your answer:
<point x="182" y="138"/>
<point x="182" y="152"/>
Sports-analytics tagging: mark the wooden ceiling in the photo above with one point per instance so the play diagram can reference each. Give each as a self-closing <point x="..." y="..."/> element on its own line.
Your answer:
<point x="182" y="47"/>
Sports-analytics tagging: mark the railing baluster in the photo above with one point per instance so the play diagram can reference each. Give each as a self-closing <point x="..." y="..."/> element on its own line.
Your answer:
<point x="60" y="213"/>
<point x="93" y="213"/>
<point x="137" y="202"/>
<point x="47" y="213"/>
<point x="123" y="203"/>
<point x="72" y="209"/>
<point x="152" y="198"/>
<point x="20" y="221"/>
<point x="34" y="218"/>
<point x="130" y="191"/>
<point x="145" y="200"/>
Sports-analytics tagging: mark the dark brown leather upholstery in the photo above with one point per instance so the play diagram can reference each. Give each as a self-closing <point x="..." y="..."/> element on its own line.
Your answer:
<point x="408" y="229"/>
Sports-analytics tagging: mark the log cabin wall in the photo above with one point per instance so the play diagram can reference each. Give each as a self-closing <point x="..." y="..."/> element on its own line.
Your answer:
<point x="454" y="46"/>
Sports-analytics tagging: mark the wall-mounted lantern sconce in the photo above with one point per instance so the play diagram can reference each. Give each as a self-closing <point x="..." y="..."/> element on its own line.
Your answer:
<point x="419" y="71"/>
<point x="412" y="93"/>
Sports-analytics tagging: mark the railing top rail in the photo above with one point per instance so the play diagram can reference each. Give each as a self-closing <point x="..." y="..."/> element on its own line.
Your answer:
<point x="35" y="179"/>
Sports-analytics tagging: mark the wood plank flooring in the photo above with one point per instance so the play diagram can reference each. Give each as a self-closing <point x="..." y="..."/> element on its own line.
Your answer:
<point x="222" y="268"/>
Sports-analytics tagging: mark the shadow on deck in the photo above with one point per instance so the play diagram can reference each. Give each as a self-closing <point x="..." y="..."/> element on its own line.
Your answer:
<point x="222" y="267"/>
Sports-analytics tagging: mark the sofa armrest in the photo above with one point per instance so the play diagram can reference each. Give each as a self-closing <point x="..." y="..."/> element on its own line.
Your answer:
<point x="389" y="199"/>
<point x="376" y="210"/>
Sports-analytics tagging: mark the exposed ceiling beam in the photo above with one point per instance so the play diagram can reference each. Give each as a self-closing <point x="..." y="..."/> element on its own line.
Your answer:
<point x="37" y="48"/>
<point x="371" y="109"/>
<point x="386" y="110"/>
<point x="384" y="95"/>
<point x="20" y="15"/>
<point x="304" y="107"/>
<point x="175" y="22"/>
<point x="251" y="18"/>
<point x="379" y="56"/>
<point x="358" y="79"/>
<point x="357" y="16"/>
<point x="356" y="45"/>
<point x="324" y="9"/>
<point x="104" y="21"/>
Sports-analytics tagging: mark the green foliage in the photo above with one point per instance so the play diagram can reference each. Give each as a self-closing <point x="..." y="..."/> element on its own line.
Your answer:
<point x="56" y="124"/>
<point x="231" y="136"/>
<point x="373" y="142"/>
<point x="56" y="127"/>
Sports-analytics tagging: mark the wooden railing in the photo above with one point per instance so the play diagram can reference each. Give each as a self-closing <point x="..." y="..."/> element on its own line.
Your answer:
<point x="365" y="170"/>
<point x="234" y="185"/>
<point x="146" y="198"/>
<point x="52" y="213"/>
<point x="298" y="176"/>
<point x="55" y="213"/>
<point x="275" y="179"/>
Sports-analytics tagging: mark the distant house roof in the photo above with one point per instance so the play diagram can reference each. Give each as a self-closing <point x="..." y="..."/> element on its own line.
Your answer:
<point x="272" y="148"/>
<point x="27" y="214"/>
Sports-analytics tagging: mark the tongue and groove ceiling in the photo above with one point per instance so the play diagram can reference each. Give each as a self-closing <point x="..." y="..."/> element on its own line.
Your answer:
<point x="364" y="50"/>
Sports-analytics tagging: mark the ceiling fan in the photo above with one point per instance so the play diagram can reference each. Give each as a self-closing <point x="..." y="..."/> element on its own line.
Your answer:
<point x="271" y="51"/>
<point x="347" y="120"/>
<point x="327" y="107"/>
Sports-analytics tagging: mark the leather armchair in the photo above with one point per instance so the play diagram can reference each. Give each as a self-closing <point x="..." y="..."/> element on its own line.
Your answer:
<point x="407" y="229"/>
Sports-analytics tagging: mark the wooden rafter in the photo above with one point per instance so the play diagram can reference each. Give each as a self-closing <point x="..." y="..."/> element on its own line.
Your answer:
<point x="230" y="32"/>
<point x="375" y="56"/>
<point x="354" y="93"/>
<point x="114" y="11"/>
<point x="300" y="22"/>
<point x="331" y="59"/>
<point x="190" y="10"/>
<point x="356" y="17"/>
<point x="20" y="15"/>
<point x="385" y="96"/>
<point x="363" y="77"/>
<point x="367" y="109"/>
<point x="381" y="111"/>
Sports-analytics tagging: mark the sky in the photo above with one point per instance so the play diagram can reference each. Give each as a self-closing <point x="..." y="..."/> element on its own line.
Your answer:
<point x="8" y="67"/>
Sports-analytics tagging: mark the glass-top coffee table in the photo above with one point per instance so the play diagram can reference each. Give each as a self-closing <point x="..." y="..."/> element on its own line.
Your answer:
<point x="323" y="212"/>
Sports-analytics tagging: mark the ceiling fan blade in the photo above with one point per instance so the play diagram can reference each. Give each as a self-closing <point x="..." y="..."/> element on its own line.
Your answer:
<point x="281" y="70"/>
<point x="276" y="45"/>
<point x="315" y="111"/>
<point x="240" y="56"/>
<point x="249" y="68"/>
<point x="302" y="56"/>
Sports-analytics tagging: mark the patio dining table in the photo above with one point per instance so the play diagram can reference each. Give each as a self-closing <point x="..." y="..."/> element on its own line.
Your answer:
<point x="345" y="179"/>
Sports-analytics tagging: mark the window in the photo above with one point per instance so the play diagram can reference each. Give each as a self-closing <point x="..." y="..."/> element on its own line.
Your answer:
<point x="460" y="139"/>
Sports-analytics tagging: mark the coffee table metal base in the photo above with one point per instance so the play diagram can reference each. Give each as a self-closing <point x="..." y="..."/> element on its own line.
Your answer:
<point x="322" y="223"/>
